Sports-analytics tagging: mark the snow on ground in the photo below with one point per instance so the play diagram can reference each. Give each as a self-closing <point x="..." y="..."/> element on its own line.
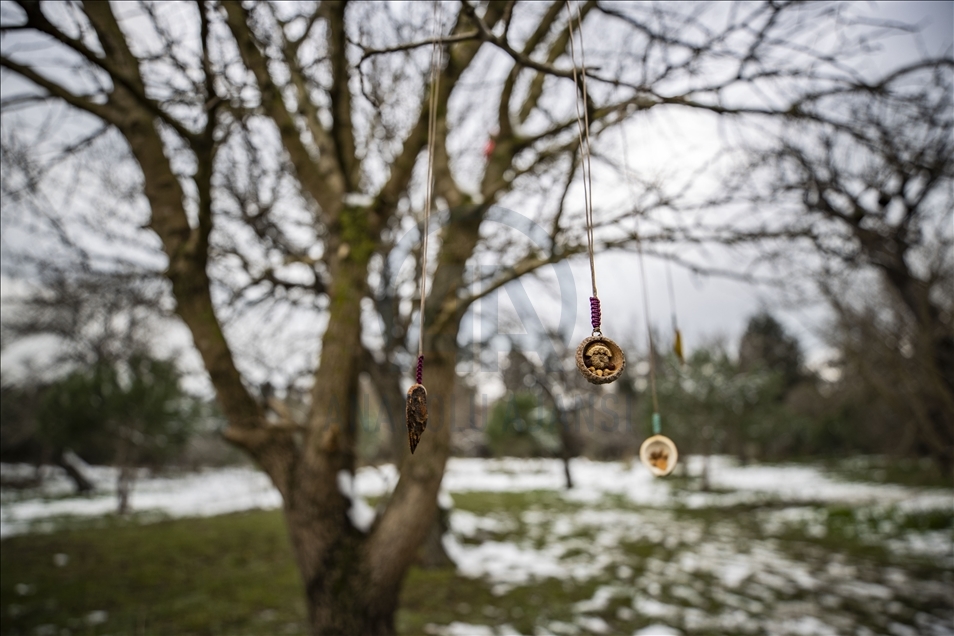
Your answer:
<point x="201" y="494"/>
<point x="220" y="491"/>
<point x="728" y="551"/>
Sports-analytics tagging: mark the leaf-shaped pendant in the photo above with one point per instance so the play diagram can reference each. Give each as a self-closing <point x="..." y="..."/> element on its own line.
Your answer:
<point x="416" y="414"/>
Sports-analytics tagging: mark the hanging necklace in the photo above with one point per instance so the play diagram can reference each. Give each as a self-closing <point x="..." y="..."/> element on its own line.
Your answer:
<point x="677" y="335"/>
<point x="657" y="452"/>
<point x="599" y="359"/>
<point x="416" y="412"/>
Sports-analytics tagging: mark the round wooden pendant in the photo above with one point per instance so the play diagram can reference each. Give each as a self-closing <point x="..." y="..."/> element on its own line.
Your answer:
<point x="600" y="360"/>
<point x="659" y="454"/>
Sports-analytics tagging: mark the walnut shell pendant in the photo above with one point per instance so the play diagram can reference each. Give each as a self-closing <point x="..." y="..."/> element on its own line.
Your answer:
<point x="600" y="360"/>
<point x="416" y="414"/>
<point x="659" y="454"/>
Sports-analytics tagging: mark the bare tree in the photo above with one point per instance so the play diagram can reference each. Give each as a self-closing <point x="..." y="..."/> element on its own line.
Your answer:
<point x="562" y="388"/>
<point x="103" y="390"/>
<point x="861" y="188"/>
<point x="278" y="148"/>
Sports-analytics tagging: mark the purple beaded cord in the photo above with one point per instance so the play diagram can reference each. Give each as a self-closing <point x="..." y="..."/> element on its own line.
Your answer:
<point x="420" y="369"/>
<point x="595" y="312"/>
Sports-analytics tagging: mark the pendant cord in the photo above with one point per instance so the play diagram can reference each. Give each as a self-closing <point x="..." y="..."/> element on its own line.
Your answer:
<point x="677" y="335"/>
<point x="649" y="330"/>
<point x="583" y="124"/>
<point x="672" y="296"/>
<point x="436" y="60"/>
<point x="642" y="275"/>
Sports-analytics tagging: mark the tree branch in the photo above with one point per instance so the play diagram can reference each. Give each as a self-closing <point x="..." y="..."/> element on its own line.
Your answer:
<point x="326" y="189"/>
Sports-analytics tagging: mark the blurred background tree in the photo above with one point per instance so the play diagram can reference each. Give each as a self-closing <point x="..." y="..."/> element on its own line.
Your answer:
<point x="128" y="414"/>
<point x="101" y="395"/>
<point x="520" y="426"/>
<point x="765" y="346"/>
<point x="860" y="185"/>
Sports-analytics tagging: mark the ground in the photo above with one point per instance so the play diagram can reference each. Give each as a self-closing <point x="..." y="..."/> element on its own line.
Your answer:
<point x="783" y="549"/>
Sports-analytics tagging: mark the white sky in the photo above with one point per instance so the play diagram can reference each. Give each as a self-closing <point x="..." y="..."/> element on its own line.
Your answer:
<point x="713" y="307"/>
<point x="709" y="307"/>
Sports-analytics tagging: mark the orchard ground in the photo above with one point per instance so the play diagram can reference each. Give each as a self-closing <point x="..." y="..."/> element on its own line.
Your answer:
<point x="768" y="549"/>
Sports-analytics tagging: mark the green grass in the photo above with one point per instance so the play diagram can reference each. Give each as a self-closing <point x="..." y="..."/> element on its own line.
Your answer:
<point x="232" y="574"/>
<point x="442" y="597"/>
<point x="918" y="473"/>
<point x="235" y="574"/>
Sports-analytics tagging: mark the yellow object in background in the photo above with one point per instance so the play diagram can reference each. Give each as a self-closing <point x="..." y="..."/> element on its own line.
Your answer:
<point x="677" y="347"/>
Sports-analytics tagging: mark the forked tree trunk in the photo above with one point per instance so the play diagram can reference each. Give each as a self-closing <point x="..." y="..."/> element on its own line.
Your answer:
<point x="352" y="578"/>
<point x="64" y="460"/>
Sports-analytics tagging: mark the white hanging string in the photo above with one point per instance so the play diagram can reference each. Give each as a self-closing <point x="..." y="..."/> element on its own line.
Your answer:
<point x="583" y="124"/>
<point x="435" y="78"/>
<point x="642" y="275"/>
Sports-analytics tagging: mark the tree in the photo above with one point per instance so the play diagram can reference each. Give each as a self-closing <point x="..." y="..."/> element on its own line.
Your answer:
<point x="100" y="391"/>
<point x="558" y="401"/>
<point x="765" y="345"/>
<point x="863" y="198"/>
<point x="886" y="398"/>
<point x="276" y="149"/>
<point x="129" y="415"/>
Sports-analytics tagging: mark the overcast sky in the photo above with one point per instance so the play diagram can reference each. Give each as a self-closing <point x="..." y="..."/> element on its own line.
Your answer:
<point x="711" y="307"/>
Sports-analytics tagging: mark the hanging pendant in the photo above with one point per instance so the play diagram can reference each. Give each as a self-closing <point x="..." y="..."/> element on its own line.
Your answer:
<point x="659" y="454"/>
<point x="677" y="347"/>
<point x="416" y="414"/>
<point x="600" y="360"/>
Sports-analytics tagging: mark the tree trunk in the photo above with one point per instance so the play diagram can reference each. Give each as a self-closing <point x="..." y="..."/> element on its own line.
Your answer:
<point x="352" y="577"/>
<point x="124" y="483"/>
<point x="567" y="445"/>
<point x="432" y="553"/>
<point x="81" y="481"/>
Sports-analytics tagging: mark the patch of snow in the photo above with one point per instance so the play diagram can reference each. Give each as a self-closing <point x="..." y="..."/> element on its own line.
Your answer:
<point x="801" y="626"/>
<point x="654" y="609"/>
<point x="560" y="627"/>
<point x="203" y="494"/>
<point x="897" y="629"/>
<point x="459" y="629"/>
<point x="936" y="543"/>
<point x="865" y="591"/>
<point x="444" y="499"/>
<point x="600" y="600"/>
<point x="97" y="617"/>
<point x="593" y="624"/>
<point x="505" y="562"/>
<point x="467" y="524"/>
<point x="360" y="513"/>
<point x="733" y="572"/>
<point x="657" y="629"/>
<point x="375" y="481"/>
